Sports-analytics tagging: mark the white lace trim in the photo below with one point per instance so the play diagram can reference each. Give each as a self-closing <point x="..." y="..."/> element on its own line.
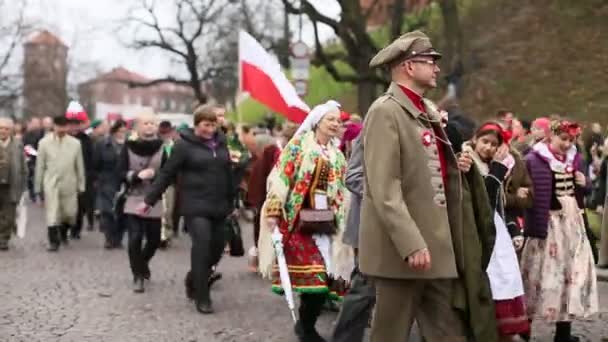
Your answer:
<point x="556" y="165"/>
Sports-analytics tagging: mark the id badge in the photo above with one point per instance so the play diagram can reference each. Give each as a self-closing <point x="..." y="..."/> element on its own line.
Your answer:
<point x="321" y="201"/>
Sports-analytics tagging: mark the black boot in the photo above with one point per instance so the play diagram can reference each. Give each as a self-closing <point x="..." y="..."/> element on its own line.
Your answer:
<point x="138" y="286"/>
<point x="53" y="234"/>
<point x="63" y="233"/>
<point x="146" y="272"/>
<point x="310" y="309"/>
<point x="204" y="307"/>
<point x="563" y="332"/>
<point x="213" y="277"/>
<point x="190" y="292"/>
<point x="74" y="232"/>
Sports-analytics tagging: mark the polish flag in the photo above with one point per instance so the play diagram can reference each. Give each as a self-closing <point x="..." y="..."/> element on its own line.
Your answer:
<point x="262" y="78"/>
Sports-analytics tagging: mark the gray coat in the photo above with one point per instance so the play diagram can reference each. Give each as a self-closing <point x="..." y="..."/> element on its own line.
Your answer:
<point x="354" y="183"/>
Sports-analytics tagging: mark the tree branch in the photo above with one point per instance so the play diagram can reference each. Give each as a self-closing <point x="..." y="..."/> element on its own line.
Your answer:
<point x="314" y="15"/>
<point x="168" y="79"/>
<point x="333" y="71"/>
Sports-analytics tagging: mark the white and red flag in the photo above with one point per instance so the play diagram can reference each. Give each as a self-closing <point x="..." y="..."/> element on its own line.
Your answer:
<point x="262" y="78"/>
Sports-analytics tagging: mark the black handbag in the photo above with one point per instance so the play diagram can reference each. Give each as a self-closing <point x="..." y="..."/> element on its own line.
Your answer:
<point x="120" y="198"/>
<point x="235" y="240"/>
<point x="315" y="221"/>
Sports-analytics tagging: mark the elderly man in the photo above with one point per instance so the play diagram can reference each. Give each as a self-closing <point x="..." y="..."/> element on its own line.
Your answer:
<point x="419" y="239"/>
<point x="12" y="180"/>
<point x="60" y="175"/>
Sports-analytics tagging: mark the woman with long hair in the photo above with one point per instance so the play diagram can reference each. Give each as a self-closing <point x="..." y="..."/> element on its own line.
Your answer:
<point x="557" y="262"/>
<point x="306" y="202"/>
<point x="497" y="163"/>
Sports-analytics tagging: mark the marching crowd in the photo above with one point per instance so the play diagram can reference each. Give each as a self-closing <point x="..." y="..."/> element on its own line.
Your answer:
<point x="414" y="215"/>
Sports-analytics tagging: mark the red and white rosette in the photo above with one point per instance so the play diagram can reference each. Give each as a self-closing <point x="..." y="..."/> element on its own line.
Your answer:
<point x="427" y="138"/>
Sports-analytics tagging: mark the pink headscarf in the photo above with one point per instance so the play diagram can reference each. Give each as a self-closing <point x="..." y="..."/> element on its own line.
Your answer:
<point x="543" y="124"/>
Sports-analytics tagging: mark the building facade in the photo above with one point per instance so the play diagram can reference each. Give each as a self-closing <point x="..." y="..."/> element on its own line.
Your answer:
<point x="45" y="69"/>
<point x="112" y="90"/>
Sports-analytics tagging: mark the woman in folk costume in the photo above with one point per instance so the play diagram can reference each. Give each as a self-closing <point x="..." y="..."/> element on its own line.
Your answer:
<point x="308" y="182"/>
<point x="557" y="262"/>
<point x="491" y="154"/>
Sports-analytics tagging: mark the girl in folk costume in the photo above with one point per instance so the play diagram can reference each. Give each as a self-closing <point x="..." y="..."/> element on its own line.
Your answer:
<point x="490" y="151"/>
<point x="557" y="262"/>
<point x="308" y="182"/>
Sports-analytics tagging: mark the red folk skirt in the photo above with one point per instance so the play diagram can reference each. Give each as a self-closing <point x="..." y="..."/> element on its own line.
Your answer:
<point x="306" y="267"/>
<point x="511" y="316"/>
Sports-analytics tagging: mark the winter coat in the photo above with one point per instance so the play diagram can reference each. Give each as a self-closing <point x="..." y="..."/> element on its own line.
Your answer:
<point x="138" y="155"/>
<point x="354" y="183"/>
<point x="86" y="145"/>
<point x="17" y="170"/>
<point x="402" y="209"/>
<point x="108" y="180"/>
<point x="537" y="217"/>
<point x="206" y="179"/>
<point x="60" y="174"/>
<point x="515" y="206"/>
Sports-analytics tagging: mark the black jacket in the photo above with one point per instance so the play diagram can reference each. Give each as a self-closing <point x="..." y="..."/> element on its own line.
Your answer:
<point x="86" y="144"/>
<point x="105" y="159"/>
<point x="206" y="179"/>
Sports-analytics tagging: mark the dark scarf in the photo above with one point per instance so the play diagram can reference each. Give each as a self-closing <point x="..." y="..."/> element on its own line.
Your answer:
<point x="145" y="147"/>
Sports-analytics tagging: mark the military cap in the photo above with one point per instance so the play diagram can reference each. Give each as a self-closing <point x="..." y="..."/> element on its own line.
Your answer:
<point x="409" y="45"/>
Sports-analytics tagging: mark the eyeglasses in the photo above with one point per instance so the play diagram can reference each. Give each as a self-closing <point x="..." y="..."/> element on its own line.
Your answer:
<point x="424" y="61"/>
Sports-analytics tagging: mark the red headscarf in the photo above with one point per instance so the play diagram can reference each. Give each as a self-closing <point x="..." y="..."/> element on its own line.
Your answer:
<point x="503" y="135"/>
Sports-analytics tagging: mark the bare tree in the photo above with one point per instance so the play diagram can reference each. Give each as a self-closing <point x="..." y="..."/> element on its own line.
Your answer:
<point x="268" y="22"/>
<point x="358" y="46"/>
<point x="13" y="29"/>
<point x="193" y="28"/>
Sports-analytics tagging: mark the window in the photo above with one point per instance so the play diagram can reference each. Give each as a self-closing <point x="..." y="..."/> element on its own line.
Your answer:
<point x="126" y="99"/>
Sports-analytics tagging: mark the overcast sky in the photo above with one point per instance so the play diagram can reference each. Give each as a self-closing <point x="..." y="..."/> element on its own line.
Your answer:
<point x="89" y="29"/>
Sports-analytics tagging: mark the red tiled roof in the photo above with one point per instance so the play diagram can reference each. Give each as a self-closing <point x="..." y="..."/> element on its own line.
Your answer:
<point x="46" y="38"/>
<point x="122" y="74"/>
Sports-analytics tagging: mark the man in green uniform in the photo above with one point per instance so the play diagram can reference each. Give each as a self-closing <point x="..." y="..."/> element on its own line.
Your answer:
<point x="13" y="173"/>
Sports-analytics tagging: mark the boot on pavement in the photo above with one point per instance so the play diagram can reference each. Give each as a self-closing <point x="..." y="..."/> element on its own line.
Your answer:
<point x="63" y="233"/>
<point x="309" y="311"/>
<point x="53" y="235"/>
<point x="138" y="286"/>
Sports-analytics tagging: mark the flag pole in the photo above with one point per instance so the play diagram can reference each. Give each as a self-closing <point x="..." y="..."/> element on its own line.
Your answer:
<point x="239" y="90"/>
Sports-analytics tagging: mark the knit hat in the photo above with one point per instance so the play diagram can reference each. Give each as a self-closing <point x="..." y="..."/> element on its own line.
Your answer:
<point x="76" y="113"/>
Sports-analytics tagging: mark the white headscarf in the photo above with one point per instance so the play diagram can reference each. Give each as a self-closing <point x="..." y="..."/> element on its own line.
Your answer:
<point x="316" y="115"/>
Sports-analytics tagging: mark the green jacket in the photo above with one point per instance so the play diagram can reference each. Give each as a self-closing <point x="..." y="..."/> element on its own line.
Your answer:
<point x="473" y="296"/>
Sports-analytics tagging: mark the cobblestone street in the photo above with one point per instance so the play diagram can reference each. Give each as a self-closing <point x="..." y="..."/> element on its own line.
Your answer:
<point x="83" y="293"/>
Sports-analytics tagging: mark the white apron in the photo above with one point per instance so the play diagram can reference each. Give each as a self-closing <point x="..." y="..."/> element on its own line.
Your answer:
<point x="503" y="270"/>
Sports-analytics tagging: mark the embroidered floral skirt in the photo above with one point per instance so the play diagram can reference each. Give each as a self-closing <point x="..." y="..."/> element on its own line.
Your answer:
<point x="306" y="267"/>
<point x="558" y="272"/>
